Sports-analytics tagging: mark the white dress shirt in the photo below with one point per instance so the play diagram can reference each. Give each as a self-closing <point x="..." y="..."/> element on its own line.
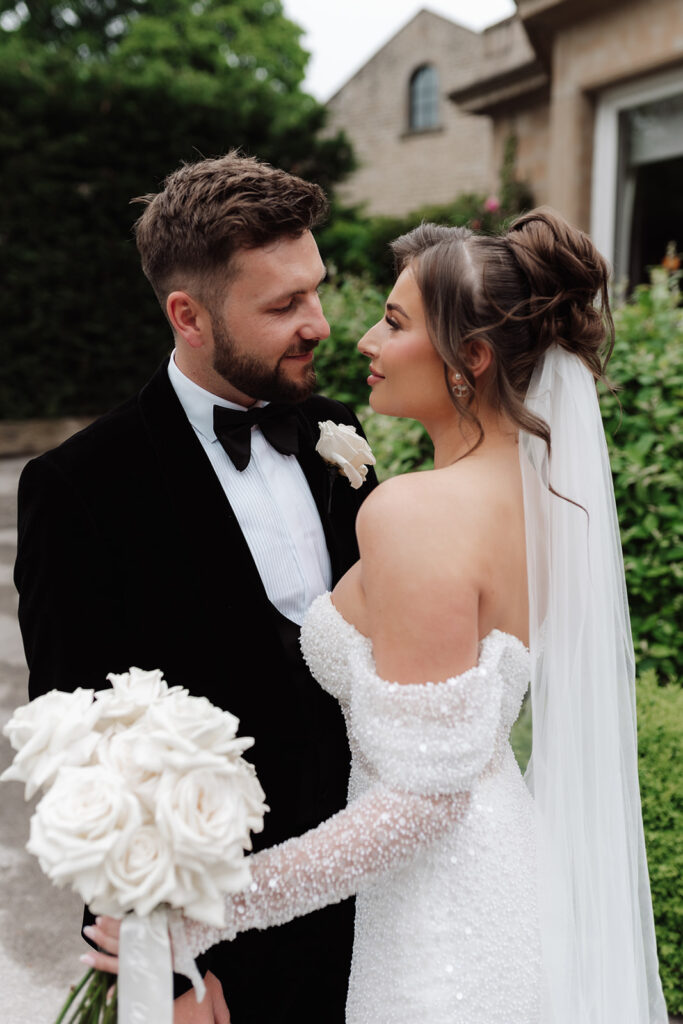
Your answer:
<point x="273" y="504"/>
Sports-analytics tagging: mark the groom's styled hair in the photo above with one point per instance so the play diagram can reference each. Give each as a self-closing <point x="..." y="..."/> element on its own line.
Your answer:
<point x="190" y="231"/>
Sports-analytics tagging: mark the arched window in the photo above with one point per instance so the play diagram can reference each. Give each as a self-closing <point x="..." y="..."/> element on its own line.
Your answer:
<point x="424" y="99"/>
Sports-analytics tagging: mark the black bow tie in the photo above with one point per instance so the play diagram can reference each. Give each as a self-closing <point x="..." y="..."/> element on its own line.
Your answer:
<point x="278" y="425"/>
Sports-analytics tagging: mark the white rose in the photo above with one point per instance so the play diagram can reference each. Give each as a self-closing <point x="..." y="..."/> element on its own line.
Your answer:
<point x="184" y="725"/>
<point x="77" y="823"/>
<point x="200" y="891"/>
<point x="207" y="814"/>
<point x="137" y="758"/>
<point x="55" y="729"/>
<point x="340" y="445"/>
<point x="139" y="870"/>
<point x="131" y="694"/>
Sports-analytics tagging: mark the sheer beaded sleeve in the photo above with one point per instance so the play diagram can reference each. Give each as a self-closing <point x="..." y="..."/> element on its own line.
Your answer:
<point x="377" y="832"/>
<point x="428" y="743"/>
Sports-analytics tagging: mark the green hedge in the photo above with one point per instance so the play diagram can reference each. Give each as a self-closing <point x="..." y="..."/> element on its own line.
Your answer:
<point x="645" y="435"/>
<point x="660" y="747"/>
<point x="81" y="327"/>
<point x="660" y="766"/>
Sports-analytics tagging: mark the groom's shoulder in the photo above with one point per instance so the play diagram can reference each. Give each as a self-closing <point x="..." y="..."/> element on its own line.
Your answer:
<point x="108" y="449"/>
<point x="107" y="436"/>
<point x="115" y="438"/>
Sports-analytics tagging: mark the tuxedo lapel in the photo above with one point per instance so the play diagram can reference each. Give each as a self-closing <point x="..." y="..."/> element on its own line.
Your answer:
<point x="204" y="522"/>
<point x="320" y="482"/>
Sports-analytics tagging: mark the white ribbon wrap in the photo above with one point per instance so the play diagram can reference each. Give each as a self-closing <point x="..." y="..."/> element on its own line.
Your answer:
<point x="145" y="988"/>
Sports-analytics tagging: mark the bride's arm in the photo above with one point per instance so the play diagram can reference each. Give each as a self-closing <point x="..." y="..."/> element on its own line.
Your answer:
<point x="381" y="830"/>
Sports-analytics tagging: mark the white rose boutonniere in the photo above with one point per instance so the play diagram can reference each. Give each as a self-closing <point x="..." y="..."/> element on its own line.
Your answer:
<point x="341" y="446"/>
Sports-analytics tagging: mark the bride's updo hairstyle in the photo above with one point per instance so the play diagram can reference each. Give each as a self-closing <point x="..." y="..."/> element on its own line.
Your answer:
<point x="519" y="293"/>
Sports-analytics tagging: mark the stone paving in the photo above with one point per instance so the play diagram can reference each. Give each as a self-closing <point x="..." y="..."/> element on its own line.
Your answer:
<point x="40" y="938"/>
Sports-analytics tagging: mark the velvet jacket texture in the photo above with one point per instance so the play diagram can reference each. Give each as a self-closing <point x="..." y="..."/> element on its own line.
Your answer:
<point x="129" y="554"/>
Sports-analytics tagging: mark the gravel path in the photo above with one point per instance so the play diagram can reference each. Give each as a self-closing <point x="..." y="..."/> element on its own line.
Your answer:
<point x="39" y="925"/>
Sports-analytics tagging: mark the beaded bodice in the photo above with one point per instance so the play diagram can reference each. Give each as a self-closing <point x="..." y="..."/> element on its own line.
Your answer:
<point x="485" y="701"/>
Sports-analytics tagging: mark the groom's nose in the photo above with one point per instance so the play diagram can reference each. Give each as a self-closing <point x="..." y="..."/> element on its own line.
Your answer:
<point x="316" y="326"/>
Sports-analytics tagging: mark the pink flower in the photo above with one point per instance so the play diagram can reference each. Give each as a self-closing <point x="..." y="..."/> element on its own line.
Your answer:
<point x="492" y="204"/>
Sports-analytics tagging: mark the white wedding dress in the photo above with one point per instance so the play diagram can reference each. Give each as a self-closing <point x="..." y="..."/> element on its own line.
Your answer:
<point x="437" y="841"/>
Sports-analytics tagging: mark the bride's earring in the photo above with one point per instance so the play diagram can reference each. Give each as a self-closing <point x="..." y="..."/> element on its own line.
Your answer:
<point x="461" y="388"/>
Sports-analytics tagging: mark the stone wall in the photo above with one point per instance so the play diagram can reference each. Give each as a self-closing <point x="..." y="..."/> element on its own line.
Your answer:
<point x="400" y="170"/>
<point x="530" y="124"/>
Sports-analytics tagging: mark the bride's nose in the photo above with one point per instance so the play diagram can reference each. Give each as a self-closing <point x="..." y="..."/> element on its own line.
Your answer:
<point x="367" y="344"/>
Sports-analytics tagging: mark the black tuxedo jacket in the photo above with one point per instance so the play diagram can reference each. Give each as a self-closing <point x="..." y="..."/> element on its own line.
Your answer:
<point x="129" y="554"/>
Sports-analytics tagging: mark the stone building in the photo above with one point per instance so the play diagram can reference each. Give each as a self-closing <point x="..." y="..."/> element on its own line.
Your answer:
<point x="598" y="114"/>
<point x="592" y="90"/>
<point x="413" y="145"/>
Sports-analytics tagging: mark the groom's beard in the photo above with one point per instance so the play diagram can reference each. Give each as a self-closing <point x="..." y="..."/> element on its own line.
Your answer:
<point x="253" y="377"/>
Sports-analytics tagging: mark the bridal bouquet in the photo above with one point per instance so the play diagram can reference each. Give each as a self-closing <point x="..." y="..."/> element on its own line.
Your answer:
<point x="148" y="808"/>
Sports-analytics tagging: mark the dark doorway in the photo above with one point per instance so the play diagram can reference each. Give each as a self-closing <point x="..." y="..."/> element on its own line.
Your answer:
<point x="657" y="216"/>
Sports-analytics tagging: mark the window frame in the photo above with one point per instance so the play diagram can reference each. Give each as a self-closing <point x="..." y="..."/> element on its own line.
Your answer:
<point x="414" y="129"/>
<point x="607" y="143"/>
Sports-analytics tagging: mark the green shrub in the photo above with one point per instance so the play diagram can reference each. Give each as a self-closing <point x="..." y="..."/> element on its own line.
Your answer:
<point x="400" y="446"/>
<point x="354" y="243"/>
<point x="351" y="306"/>
<point x="660" y="748"/>
<point x="644" y="433"/>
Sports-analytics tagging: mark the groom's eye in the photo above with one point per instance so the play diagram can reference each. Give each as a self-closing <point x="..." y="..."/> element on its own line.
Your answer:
<point x="283" y="309"/>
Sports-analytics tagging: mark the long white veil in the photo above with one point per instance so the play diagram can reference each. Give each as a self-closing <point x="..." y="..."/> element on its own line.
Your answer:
<point x="597" y="928"/>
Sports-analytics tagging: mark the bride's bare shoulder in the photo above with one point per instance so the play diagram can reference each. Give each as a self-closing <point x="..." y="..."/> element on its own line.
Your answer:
<point x="416" y="503"/>
<point x="419" y="572"/>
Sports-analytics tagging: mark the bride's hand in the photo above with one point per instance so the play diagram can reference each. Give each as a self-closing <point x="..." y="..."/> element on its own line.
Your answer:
<point x="186" y="1010"/>
<point x="105" y="933"/>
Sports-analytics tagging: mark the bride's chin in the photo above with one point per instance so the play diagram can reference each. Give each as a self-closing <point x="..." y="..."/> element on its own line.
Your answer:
<point x="379" y="404"/>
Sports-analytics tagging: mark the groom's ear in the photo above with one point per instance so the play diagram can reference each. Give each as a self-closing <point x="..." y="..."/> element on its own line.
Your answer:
<point x="189" y="319"/>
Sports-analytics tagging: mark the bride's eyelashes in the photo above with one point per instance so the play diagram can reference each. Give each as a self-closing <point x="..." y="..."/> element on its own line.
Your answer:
<point x="393" y="324"/>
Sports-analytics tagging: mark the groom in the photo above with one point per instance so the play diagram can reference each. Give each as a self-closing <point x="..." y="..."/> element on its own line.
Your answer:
<point x="181" y="532"/>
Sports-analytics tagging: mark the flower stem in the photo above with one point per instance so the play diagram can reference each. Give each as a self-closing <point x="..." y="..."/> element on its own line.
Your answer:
<point x="74" y="992"/>
<point x="88" y="1001"/>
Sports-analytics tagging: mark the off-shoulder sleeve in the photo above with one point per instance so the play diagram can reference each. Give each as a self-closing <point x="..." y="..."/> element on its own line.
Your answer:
<point x="431" y="738"/>
<point x="428" y="743"/>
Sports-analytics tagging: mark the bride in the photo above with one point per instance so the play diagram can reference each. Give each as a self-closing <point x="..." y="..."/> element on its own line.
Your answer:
<point x="482" y="898"/>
